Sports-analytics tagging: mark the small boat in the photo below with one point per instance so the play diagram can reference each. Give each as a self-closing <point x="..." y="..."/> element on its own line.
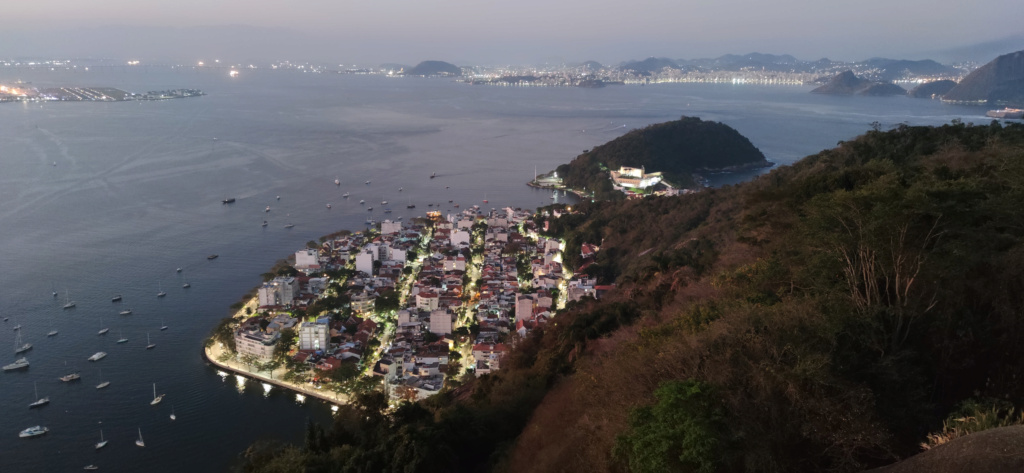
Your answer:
<point x="399" y="218"/>
<point x="103" y="331"/>
<point x="229" y="200"/>
<point x="267" y="209"/>
<point x="20" y="347"/>
<point x="156" y="399"/>
<point x="40" y="402"/>
<point x="214" y="256"/>
<point x="104" y="383"/>
<point x="102" y="443"/>
<point x="430" y="205"/>
<point x="115" y="298"/>
<point x="139" y="442"/>
<point x="173" y="417"/>
<point x="337" y="182"/>
<point x="33" y="432"/>
<point x="450" y="201"/>
<point x="69" y="377"/>
<point x="433" y="175"/>
<point x="290" y="225"/>
<point x="361" y="201"/>
<point x="68" y="303"/>
<point x="328" y="205"/>
<point x="186" y="286"/>
<point x="149" y="345"/>
<point x="16" y="327"/>
<point x="345" y="195"/>
<point x="383" y="202"/>
<point x="447" y="187"/>
<point x="278" y="197"/>
<point x="51" y="333"/>
<point x="18" y="364"/>
<point x="367" y="182"/>
<point x="456" y="205"/>
<point x="90" y="467"/>
<point x="161" y="293"/>
<point x="264" y="223"/>
<point x="127" y="311"/>
<point x="387" y="211"/>
<point x="400" y="189"/>
<point x="97" y="356"/>
<point x="178" y="270"/>
<point x="410" y="206"/>
<point x="122" y="339"/>
<point x="369" y="209"/>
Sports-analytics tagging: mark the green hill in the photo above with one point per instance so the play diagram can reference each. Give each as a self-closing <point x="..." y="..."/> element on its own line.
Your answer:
<point x="434" y="68"/>
<point x="932" y="89"/>
<point x="831" y="315"/>
<point x="678" y="149"/>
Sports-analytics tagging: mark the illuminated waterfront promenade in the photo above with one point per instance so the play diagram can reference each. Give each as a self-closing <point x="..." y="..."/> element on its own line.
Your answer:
<point x="212" y="354"/>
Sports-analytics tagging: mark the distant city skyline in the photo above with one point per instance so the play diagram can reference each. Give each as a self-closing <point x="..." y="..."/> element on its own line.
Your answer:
<point x="527" y="31"/>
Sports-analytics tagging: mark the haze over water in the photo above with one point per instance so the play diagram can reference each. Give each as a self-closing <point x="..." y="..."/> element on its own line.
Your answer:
<point x="136" y="191"/>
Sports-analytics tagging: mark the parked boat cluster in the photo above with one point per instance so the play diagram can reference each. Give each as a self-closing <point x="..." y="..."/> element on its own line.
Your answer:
<point x="73" y="375"/>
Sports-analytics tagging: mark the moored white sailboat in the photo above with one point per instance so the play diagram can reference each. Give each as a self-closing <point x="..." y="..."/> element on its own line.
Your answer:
<point x="156" y="399"/>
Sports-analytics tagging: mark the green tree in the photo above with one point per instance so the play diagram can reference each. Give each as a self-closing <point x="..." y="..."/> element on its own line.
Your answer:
<point x="386" y="302"/>
<point x="682" y="431"/>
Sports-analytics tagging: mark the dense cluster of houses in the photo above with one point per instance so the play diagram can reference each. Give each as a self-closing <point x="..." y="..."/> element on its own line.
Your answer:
<point x="491" y="272"/>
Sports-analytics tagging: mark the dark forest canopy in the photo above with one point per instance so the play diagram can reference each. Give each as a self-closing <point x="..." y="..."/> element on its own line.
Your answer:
<point x="678" y="149"/>
<point x="832" y="315"/>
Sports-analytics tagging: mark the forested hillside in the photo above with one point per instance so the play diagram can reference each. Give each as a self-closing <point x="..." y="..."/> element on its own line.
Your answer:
<point x="830" y="315"/>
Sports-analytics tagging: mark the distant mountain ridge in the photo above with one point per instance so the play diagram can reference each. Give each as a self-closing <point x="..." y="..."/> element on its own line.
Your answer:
<point x="1000" y="82"/>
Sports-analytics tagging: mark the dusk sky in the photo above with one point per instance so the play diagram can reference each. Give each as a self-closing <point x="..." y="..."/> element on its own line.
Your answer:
<point x="497" y="32"/>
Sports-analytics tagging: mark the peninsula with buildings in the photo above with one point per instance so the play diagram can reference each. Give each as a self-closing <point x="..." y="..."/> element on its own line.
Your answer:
<point x="406" y="309"/>
<point x="21" y="92"/>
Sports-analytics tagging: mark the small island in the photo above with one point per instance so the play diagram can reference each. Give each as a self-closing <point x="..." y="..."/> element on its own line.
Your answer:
<point x="847" y="83"/>
<point x="665" y="159"/>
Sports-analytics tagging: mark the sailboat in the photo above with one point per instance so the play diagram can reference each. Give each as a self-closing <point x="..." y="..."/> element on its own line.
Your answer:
<point x="173" y="417"/>
<point x="156" y="399"/>
<point x="139" y="442"/>
<point x="104" y="383"/>
<point x="68" y="303"/>
<point x="161" y="293"/>
<point x="103" y="330"/>
<point x="102" y="443"/>
<point x="127" y="311"/>
<point x="40" y="402"/>
<point x="186" y="286"/>
<point x="18" y="346"/>
<point x="122" y="339"/>
<point x="52" y="332"/>
<point x="163" y="324"/>
<point x="149" y="344"/>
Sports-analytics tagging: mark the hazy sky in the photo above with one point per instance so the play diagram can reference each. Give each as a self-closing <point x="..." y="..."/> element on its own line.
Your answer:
<point x="486" y="31"/>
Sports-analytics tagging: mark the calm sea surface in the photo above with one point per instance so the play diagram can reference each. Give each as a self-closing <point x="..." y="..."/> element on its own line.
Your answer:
<point x="98" y="199"/>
